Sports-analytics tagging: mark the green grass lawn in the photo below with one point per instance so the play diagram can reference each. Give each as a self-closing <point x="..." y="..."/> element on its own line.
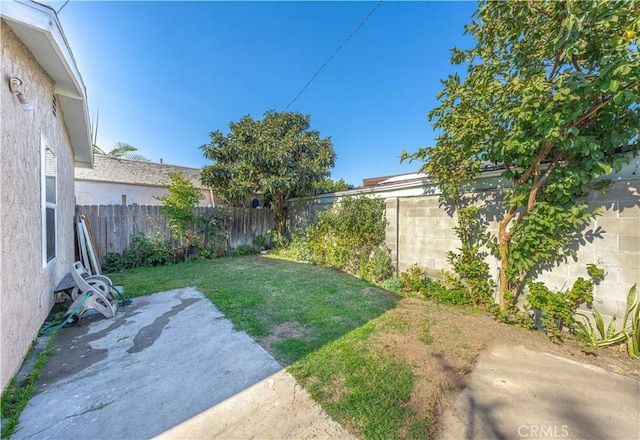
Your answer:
<point x="335" y="317"/>
<point x="372" y="359"/>
<point x="260" y="294"/>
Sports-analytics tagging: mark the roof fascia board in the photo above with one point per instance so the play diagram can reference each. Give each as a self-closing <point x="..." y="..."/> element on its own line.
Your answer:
<point x="42" y="19"/>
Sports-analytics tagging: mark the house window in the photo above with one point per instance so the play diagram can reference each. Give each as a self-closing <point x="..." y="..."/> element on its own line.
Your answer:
<point x="49" y="203"/>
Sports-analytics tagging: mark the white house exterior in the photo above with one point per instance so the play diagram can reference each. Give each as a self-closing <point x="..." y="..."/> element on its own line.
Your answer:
<point x="119" y="181"/>
<point x="45" y="133"/>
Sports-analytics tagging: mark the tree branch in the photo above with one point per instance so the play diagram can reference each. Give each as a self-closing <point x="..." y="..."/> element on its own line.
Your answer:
<point x="574" y="61"/>
<point x="596" y="107"/>
<point x="546" y="148"/>
<point x="556" y="64"/>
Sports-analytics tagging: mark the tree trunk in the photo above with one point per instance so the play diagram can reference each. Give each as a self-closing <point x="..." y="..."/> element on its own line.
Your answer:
<point x="504" y="238"/>
<point x="279" y="216"/>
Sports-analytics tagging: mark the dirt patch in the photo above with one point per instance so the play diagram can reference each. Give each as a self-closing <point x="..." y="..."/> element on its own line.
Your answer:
<point x="281" y="332"/>
<point x="442" y="343"/>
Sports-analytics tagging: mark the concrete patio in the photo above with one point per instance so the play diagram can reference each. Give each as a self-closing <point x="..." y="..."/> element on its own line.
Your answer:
<point x="169" y="365"/>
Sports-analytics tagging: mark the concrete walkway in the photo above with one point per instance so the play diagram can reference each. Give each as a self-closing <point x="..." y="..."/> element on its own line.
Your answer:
<point x="168" y="365"/>
<point x="517" y="393"/>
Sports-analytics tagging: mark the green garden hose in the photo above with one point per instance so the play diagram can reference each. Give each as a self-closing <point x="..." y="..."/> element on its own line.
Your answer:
<point x="50" y="328"/>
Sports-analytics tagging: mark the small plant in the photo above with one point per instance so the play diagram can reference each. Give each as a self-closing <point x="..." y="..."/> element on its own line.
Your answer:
<point x="558" y="309"/>
<point x="376" y="265"/>
<point x="260" y="241"/>
<point x="413" y="279"/>
<point x="17" y="394"/>
<point x="243" y="250"/>
<point x="470" y="271"/>
<point x="392" y="284"/>
<point x="629" y="332"/>
<point x="416" y="280"/>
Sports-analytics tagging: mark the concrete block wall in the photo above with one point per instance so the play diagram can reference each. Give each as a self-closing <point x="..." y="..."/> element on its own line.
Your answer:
<point x="420" y="231"/>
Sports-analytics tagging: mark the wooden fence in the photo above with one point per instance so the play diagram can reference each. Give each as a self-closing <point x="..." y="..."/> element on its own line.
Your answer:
<point x="113" y="226"/>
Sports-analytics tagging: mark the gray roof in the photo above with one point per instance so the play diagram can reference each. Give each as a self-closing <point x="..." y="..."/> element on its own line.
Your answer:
<point x="136" y="172"/>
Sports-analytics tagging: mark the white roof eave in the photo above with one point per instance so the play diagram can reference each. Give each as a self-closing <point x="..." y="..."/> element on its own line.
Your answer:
<point x="38" y="28"/>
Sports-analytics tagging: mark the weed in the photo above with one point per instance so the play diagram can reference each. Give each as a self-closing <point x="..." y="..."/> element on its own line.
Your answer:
<point x="392" y="284"/>
<point x="426" y="336"/>
<point x="17" y="394"/>
<point x="243" y="250"/>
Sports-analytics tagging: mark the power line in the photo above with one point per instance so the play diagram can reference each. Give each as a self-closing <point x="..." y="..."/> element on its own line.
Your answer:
<point x="65" y="4"/>
<point x="334" y="54"/>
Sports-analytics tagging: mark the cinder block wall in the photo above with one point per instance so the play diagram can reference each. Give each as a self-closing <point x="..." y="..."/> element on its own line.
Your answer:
<point x="420" y="231"/>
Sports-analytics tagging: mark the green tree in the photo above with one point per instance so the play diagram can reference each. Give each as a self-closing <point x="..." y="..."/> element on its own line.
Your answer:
<point x="278" y="156"/>
<point x="178" y="204"/>
<point x="551" y="93"/>
<point x="329" y="185"/>
<point x="121" y="149"/>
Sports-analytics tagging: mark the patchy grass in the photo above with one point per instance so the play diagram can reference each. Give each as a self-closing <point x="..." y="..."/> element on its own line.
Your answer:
<point x="380" y="370"/>
<point x="261" y="294"/>
<point x="19" y="391"/>
<point x="365" y="389"/>
<point x="382" y="366"/>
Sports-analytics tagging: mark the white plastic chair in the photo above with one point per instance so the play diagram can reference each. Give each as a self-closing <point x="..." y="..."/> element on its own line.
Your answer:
<point x="91" y="292"/>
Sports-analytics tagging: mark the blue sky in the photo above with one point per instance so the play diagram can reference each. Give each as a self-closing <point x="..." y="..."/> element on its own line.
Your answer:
<point x="163" y="75"/>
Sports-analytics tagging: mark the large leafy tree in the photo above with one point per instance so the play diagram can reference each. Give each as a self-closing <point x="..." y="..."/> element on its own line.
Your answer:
<point x="279" y="156"/>
<point x="551" y="94"/>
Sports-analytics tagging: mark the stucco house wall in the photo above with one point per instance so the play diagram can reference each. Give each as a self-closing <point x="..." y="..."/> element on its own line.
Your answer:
<point x="27" y="281"/>
<point x="120" y="181"/>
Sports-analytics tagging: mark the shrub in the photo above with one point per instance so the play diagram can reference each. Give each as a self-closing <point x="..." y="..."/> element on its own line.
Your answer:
<point x="376" y="265"/>
<point x="392" y="284"/>
<point x="470" y="273"/>
<point x="349" y="237"/>
<point x="113" y="262"/>
<point x="143" y="252"/>
<point x="244" y="249"/>
<point x="416" y="280"/>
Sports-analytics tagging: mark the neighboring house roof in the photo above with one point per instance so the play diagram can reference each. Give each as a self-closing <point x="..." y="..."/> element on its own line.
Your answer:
<point x="372" y="182"/>
<point x="38" y="28"/>
<point x="134" y="172"/>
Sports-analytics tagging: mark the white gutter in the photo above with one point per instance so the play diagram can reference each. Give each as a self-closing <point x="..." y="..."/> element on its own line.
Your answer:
<point x="38" y="28"/>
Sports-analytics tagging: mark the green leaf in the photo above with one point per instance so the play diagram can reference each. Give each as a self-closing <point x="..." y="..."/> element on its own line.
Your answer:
<point x="606" y="168"/>
<point x="611" y="330"/>
<point x="599" y="323"/>
<point x="614" y="85"/>
<point x="631" y="304"/>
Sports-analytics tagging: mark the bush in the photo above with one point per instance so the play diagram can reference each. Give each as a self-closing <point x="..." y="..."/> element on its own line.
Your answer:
<point x="392" y="284"/>
<point x="416" y="280"/>
<point x="375" y="266"/>
<point x="242" y="250"/>
<point x="349" y="237"/>
<point x="113" y="262"/>
<point x="143" y="252"/>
